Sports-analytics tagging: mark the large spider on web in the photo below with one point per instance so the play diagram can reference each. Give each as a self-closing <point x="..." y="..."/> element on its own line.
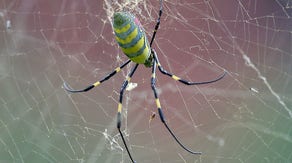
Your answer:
<point x="132" y="39"/>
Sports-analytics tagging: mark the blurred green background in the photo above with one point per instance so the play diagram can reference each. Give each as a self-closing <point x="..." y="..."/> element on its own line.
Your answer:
<point x="244" y="118"/>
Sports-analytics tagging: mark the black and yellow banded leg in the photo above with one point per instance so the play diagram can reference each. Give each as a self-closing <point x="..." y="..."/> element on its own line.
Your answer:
<point x="153" y="82"/>
<point x="118" y="69"/>
<point x="157" y="23"/>
<point x="180" y="79"/>
<point x="119" y="115"/>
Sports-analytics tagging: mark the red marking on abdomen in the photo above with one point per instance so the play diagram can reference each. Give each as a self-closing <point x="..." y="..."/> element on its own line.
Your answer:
<point x="137" y="22"/>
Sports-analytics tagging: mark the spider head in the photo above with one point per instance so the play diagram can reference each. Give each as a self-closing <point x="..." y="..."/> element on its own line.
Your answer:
<point x="149" y="62"/>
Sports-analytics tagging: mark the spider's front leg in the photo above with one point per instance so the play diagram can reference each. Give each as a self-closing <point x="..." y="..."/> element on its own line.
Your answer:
<point x="161" y="115"/>
<point x="119" y="115"/>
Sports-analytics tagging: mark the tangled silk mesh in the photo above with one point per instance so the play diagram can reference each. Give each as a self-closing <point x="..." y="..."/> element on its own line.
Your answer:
<point x="245" y="117"/>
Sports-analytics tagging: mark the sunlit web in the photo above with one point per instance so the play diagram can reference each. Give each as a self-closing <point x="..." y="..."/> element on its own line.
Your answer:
<point x="245" y="117"/>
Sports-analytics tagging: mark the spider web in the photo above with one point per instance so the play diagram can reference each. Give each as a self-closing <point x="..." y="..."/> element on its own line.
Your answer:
<point x="245" y="117"/>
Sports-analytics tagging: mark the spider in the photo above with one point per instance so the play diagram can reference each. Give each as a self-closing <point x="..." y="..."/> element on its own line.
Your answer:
<point x="132" y="39"/>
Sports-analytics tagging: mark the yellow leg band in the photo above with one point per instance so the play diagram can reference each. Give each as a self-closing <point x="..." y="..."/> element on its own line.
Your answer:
<point x="120" y="107"/>
<point x="157" y="103"/>
<point x="96" y="84"/>
<point x="175" y="77"/>
<point x="128" y="79"/>
<point x="118" y="69"/>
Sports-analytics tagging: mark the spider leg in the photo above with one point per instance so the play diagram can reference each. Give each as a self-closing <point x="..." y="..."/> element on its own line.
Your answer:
<point x="183" y="80"/>
<point x="157" y="23"/>
<point x="153" y="82"/>
<point x="118" y="69"/>
<point x="119" y="121"/>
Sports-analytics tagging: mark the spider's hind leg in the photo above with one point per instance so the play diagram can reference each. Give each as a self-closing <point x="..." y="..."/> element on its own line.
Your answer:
<point x="164" y="72"/>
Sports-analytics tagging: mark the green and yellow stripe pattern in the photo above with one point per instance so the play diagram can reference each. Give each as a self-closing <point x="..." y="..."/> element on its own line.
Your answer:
<point x="131" y="37"/>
